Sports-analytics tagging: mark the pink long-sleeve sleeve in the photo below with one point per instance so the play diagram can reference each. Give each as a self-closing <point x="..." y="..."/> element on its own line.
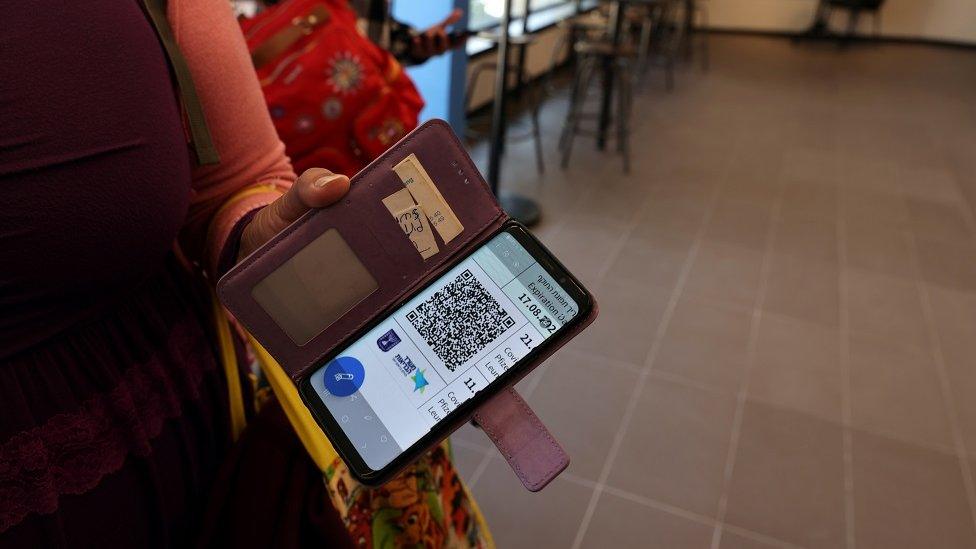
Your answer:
<point x="253" y="168"/>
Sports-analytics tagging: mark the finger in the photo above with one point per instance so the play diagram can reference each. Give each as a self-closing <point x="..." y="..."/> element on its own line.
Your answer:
<point x="452" y="18"/>
<point x="424" y="45"/>
<point x="316" y="188"/>
<point x="438" y="39"/>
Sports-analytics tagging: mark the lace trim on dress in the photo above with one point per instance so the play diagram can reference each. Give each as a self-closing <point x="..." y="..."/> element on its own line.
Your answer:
<point x="71" y="452"/>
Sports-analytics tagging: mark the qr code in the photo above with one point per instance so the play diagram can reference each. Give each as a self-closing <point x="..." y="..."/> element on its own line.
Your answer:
<point x="460" y="320"/>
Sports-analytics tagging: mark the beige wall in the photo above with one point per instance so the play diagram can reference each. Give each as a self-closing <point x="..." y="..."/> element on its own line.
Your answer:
<point x="953" y="20"/>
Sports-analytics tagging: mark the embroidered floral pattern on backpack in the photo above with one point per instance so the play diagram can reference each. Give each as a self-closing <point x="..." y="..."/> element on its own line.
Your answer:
<point x="389" y="132"/>
<point x="331" y="108"/>
<point x="304" y="124"/>
<point x="345" y="73"/>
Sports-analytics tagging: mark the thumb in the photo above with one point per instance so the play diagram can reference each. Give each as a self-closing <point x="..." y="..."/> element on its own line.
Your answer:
<point x="316" y="188"/>
<point x="452" y="18"/>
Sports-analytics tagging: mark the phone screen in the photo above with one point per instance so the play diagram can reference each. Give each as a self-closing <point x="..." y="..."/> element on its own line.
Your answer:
<point x="453" y="339"/>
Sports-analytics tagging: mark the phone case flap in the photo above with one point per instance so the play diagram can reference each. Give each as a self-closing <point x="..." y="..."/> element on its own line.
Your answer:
<point x="528" y="447"/>
<point x="373" y="262"/>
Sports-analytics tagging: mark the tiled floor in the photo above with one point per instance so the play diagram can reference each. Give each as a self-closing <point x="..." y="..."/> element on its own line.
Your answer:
<point x="786" y="354"/>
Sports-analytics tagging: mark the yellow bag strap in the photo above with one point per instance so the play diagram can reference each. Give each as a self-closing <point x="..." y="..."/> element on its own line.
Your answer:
<point x="309" y="432"/>
<point x="311" y="435"/>
<point x="228" y="358"/>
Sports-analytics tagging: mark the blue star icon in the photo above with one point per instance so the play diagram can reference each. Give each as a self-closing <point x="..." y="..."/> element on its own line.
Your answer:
<point x="419" y="381"/>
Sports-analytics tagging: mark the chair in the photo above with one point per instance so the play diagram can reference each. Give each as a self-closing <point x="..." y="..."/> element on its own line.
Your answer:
<point x="519" y="43"/>
<point x="696" y="19"/>
<point x="592" y="27"/>
<point x="854" y="9"/>
<point x="592" y="57"/>
<point x="658" y="34"/>
<point x="819" y="27"/>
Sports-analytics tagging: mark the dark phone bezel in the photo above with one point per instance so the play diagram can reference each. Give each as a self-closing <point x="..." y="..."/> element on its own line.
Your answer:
<point x="330" y="426"/>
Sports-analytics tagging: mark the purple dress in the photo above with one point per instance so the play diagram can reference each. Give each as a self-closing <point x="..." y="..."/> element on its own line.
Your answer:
<point x="112" y="408"/>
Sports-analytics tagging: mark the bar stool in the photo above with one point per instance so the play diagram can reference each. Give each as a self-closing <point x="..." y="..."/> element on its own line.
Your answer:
<point x="520" y="43"/>
<point x="571" y="31"/>
<point x="592" y="56"/>
<point x="696" y="20"/>
<point x="659" y="35"/>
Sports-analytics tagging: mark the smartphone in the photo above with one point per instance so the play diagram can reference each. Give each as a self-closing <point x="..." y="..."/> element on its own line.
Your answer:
<point x="404" y="381"/>
<point x="458" y="37"/>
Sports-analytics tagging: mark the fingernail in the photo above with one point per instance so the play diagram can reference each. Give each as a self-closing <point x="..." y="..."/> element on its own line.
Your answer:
<point x="323" y="181"/>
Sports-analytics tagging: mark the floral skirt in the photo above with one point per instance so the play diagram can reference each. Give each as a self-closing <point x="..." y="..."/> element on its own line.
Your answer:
<point x="427" y="505"/>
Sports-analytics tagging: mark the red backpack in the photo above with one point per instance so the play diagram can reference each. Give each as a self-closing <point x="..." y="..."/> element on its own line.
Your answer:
<point x="337" y="99"/>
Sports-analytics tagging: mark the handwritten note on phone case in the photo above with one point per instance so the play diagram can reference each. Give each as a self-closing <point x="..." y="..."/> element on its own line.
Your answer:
<point x="424" y="191"/>
<point x="413" y="221"/>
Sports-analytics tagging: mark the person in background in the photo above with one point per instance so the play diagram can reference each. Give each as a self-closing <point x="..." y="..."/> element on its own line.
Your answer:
<point x="409" y="46"/>
<point x="337" y="91"/>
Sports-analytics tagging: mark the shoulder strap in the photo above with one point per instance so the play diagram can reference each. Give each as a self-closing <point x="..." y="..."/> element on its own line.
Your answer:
<point x="200" y="138"/>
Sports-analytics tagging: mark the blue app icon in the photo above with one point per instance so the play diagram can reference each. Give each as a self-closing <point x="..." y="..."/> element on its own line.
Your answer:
<point x="388" y="341"/>
<point x="344" y="376"/>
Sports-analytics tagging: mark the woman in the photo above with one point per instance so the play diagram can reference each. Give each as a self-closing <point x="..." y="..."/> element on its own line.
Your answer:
<point x="113" y="413"/>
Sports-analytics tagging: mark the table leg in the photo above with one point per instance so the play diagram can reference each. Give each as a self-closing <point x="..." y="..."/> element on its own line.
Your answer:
<point x="606" y="103"/>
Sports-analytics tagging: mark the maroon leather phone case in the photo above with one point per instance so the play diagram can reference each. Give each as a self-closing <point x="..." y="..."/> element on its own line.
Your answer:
<point x="378" y="241"/>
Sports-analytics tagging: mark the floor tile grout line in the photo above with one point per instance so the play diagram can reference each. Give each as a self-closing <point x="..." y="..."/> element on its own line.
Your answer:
<point x="690" y="515"/>
<point x="695" y="384"/>
<point x="595" y="495"/>
<point x="938" y="356"/>
<point x="472" y="446"/>
<point x="648" y="364"/>
<point x="753" y="343"/>
<point x="716" y="389"/>
<point x="844" y="356"/>
<point x="945" y="385"/>
<point x="562" y="223"/>
<point x="677" y="511"/>
<point x="480" y="469"/>
<point x="621" y="241"/>
<point x="968" y="207"/>
<point x="597" y="357"/>
<point x="487" y="458"/>
<point x="678" y="379"/>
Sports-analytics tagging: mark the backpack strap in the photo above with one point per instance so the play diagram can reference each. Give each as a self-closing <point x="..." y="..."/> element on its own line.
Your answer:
<point x="200" y="139"/>
<point x="280" y="42"/>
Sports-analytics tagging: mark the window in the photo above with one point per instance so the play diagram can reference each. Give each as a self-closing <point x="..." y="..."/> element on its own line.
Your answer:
<point x="485" y="14"/>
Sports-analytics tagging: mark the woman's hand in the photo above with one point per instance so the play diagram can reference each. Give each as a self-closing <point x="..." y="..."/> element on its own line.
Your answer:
<point x="435" y="40"/>
<point x="316" y="188"/>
